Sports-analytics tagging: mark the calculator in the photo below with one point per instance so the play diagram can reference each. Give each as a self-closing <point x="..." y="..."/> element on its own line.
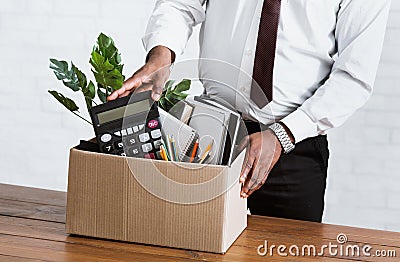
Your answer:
<point x="128" y="126"/>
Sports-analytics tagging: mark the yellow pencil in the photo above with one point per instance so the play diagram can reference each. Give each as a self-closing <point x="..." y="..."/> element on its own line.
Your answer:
<point x="208" y="148"/>
<point x="163" y="153"/>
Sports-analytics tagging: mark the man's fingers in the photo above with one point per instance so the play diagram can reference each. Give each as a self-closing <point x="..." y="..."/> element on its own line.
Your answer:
<point x="246" y="167"/>
<point x="114" y="95"/>
<point x="127" y="88"/>
<point x="159" y="79"/>
<point x="262" y="177"/>
<point x="243" y="144"/>
<point x="144" y="87"/>
<point x="158" y="88"/>
<point x="249" y="176"/>
<point x="253" y="180"/>
<point x="126" y="93"/>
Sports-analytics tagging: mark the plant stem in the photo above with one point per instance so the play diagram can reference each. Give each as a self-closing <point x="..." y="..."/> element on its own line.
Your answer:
<point x="82" y="118"/>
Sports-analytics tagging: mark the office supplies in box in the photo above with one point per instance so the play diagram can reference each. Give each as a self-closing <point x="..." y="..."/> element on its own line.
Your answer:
<point x="109" y="197"/>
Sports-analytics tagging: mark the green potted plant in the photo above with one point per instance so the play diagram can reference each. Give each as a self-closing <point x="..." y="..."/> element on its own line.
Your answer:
<point x="107" y="69"/>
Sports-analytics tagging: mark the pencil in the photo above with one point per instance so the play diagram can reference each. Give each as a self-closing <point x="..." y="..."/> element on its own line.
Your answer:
<point x="205" y="159"/>
<point x="196" y="145"/>
<point x="207" y="150"/>
<point x="163" y="153"/>
<point x="170" y="150"/>
<point x="167" y="155"/>
<point x="174" y="148"/>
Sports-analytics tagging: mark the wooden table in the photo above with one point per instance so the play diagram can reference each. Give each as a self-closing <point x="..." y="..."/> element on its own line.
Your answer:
<point x="32" y="225"/>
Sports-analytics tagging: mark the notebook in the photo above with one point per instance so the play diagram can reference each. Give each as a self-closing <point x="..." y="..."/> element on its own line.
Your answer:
<point x="184" y="135"/>
<point x="182" y="111"/>
<point x="233" y="125"/>
<point x="211" y="124"/>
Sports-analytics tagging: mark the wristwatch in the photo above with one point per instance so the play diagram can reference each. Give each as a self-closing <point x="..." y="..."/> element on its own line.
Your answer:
<point x="283" y="137"/>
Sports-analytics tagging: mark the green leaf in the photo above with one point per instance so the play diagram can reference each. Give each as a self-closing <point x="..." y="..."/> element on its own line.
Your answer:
<point x="105" y="73"/>
<point x="91" y="90"/>
<point x="102" y="95"/>
<point x="68" y="77"/>
<point x="172" y="96"/>
<point x="106" y="66"/>
<point x="179" y="97"/>
<point x="58" y="64"/>
<point x="65" y="101"/>
<point x="162" y="103"/>
<point x="107" y="49"/>
<point x="81" y="76"/>
<point x="89" y="93"/>
<point x="168" y="84"/>
<point x="184" y="85"/>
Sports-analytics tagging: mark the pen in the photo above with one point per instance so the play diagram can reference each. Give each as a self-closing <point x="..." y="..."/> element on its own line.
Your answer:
<point x="196" y="145"/>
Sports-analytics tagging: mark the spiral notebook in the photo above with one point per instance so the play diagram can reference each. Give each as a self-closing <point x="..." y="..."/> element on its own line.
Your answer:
<point x="184" y="135"/>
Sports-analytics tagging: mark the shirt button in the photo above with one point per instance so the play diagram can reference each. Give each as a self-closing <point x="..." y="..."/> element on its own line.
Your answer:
<point x="243" y="89"/>
<point x="249" y="52"/>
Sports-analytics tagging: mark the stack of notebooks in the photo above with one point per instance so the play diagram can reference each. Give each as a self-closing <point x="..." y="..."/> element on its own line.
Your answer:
<point x="201" y="130"/>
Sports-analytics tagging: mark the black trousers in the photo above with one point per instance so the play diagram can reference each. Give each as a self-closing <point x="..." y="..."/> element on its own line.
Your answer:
<point x="295" y="187"/>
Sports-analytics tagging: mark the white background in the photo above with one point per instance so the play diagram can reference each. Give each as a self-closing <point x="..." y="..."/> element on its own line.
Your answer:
<point x="36" y="132"/>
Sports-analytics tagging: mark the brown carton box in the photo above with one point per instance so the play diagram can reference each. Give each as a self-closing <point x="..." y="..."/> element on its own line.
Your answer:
<point x="189" y="206"/>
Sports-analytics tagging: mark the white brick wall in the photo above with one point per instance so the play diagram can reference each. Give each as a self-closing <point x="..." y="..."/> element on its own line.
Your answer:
<point x="36" y="131"/>
<point x="364" y="169"/>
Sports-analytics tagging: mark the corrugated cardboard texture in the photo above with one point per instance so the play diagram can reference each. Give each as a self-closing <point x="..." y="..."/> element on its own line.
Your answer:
<point x="105" y="200"/>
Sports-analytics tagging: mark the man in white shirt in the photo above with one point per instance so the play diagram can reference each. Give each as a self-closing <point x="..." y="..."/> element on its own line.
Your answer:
<point x="324" y="67"/>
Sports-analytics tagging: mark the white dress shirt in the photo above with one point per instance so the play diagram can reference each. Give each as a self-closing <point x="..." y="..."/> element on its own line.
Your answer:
<point x="326" y="59"/>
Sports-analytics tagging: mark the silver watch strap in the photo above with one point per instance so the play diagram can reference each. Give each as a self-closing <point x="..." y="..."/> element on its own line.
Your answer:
<point x="283" y="137"/>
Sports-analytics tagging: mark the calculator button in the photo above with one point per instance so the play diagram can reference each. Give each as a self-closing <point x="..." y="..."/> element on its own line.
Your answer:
<point x="150" y="156"/>
<point x="119" y="145"/>
<point x="147" y="147"/>
<point x="155" y="134"/>
<point x="131" y="141"/>
<point x="152" y="124"/>
<point x="105" y="138"/>
<point x="141" y="127"/>
<point x="135" y="129"/>
<point x="144" y="137"/>
<point x="134" y="151"/>
<point x="108" y="148"/>
<point x="123" y="132"/>
<point x="117" y="133"/>
<point x="129" y="131"/>
<point x="121" y="153"/>
<point x="157" y="144"/>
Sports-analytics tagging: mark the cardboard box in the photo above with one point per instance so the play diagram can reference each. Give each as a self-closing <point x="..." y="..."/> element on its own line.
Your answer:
<point x="109" y="197"/>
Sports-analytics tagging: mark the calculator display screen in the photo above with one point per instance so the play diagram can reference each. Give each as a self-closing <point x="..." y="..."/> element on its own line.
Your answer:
<point x="120" y="112"/>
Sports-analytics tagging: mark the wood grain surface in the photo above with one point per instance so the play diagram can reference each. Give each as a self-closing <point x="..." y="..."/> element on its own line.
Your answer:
<point x="32" y="223"/>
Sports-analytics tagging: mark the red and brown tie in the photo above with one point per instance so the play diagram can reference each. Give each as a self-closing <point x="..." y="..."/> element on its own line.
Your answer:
<point x="265" y="53"/>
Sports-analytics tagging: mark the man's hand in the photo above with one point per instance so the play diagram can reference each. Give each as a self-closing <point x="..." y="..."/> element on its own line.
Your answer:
<point x="151" y="76"/>
<point x="263" y="151"/>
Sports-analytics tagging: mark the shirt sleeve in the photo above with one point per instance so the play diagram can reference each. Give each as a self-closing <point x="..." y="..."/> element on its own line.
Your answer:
<point x="172" y="22"/>
<point x="360" y="32"/>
